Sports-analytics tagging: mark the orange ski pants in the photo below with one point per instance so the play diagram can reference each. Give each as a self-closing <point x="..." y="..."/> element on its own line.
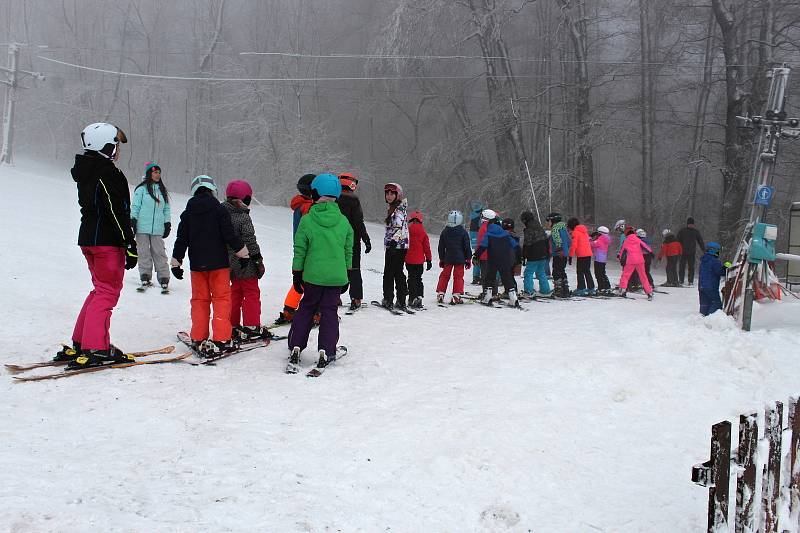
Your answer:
<point x="211" y="289"/>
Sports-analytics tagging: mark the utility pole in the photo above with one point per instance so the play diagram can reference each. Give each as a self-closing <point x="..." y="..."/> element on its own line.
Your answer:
<point x="12" y="84"/>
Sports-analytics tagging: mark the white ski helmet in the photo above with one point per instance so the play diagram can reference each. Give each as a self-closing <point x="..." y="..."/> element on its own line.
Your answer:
<point x="641" y="233"/>
<point x="98" y="136"/>
<point x="488" y="214"/>
<point x="454" y="218"/>
<point x="665" y="232"/>
<point x="203" y="181"/>
<point x="620" y="224"/>
<point x="603" y="230"/>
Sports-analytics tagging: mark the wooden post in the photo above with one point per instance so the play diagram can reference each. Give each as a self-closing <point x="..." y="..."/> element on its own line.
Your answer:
<point x="794" y="457"/>
<point x="746" y="479"/>
<point x="771" y="475"/>
<point x="715" y="474"/>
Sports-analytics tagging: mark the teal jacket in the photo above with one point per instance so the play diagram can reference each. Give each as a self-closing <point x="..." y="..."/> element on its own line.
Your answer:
<point x="150" y="216"/>
<point x="323" y="246"/>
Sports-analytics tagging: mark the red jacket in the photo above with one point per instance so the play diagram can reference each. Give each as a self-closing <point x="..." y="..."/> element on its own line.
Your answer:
<point x="670" y="249"/>
<point x="419" y="245"/>
<point x="580" y="247"/>
<point x="481" y="232"/>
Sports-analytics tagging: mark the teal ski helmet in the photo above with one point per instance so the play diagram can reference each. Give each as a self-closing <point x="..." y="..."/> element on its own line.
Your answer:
<point x="326" y="185"/>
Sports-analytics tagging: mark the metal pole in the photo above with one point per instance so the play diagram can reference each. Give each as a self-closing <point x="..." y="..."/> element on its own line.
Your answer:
<point x="6" y="155"/>
<point x="549" y="171"/>
<point x="533" y="193"/>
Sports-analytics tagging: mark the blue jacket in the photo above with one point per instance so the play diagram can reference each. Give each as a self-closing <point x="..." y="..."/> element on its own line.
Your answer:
<point x="502" y="247"/>
<point x="562" y="249"/>
<point x="711" y="270"/>
<point x="454" y="246"/>
<point x="150" y="215"/>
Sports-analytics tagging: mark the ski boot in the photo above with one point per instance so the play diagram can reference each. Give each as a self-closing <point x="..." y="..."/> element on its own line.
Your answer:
<point x="210" y="348"/>
<point x="354" y="305"/>
<point x="486" y="299"/>
<point x="68" y="354"/>
<point x="387" y="304"/>
<point x="92" y="358"/>
<point x="416" y="303"/>
<point x="401" y="304"/>
<point x="324" y="360"/>
<point x="251" y="333"/>
<point x="284" y="317"/>
<point x="512" y="298"/>
<point x="650" y="297"/>
<point x="455" y="300"/>
<point x="440" y="297"/>
<point x="293" y="366"/>
<point x="591" y="292"/>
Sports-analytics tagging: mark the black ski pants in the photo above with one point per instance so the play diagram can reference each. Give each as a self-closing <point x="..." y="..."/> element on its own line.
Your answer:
<point x="672" y="269"/>
<point x="506" y="276"/>
<point x="602" y="277"/>
<point x="415" y="286"/>
<point x="648" y="261"/>
<point x="559" y="268"/>
<point x="686" y="261"/>
<point x="491" y="281"/>
<point x="354" y="275"/>
<point x="584" y="269"/>
<point x="393" y="275"/>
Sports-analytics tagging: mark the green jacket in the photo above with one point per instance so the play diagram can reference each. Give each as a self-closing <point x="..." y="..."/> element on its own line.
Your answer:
<point x="323" y="246"/>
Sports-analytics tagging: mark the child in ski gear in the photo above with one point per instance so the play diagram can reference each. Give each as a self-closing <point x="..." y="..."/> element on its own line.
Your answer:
<point x="106" y="240"/>
<point x="560" y="244"/>
<point x="672" y="250"/>
<point x="395" y="241"/>
<point x="711" y="270"/>
<point x="500" y="248"/>
<point x="150" y="219"/>
<point x="350" y="205"/>
<point x="535" y="254"/>
<point x="487" y="215"/>
<point x="581" y="249"/>
<point x="454" y="256"/>
<point x="419" y="251"/>
<point x="633" y="249"/>
<point x="690" y="238"/>
<point x="206" y="231"/>
<point x="300" y="204"/>
<point x="620" y="227"/>
<point x="600" y="244"/>
<point x="516" y="255"/>
<point x="648" y="256"/>
<point x="245" y="292"/>
<point x="475" y="222"/>
<point x="323" y="253"/>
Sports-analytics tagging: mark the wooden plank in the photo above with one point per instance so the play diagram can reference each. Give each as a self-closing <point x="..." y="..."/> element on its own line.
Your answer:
<point x="718" y="494"/>
<point x="771" y="475"/>
<point x="794" y="467"/>
<point x="746" y="478"/>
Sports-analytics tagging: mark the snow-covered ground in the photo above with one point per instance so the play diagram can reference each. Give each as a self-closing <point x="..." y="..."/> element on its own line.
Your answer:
<point x="573" y="417"/>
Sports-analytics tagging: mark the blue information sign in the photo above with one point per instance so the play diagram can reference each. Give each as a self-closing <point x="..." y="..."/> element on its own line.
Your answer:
<point x="764" y="195"/>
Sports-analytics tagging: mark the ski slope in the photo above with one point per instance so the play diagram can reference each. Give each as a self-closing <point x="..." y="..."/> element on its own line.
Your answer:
<point x="573" y="417"/>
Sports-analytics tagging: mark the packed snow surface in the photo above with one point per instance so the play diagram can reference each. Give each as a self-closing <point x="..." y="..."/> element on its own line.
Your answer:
<point x="576" y="416"/>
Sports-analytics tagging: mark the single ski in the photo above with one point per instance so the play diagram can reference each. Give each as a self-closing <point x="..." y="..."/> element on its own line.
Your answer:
<point x="354" y="311"/>
<point x="16" y="369"/>
<point x="210" y="361"/>
<point x="69" y="373"/>
<point x="391" y="310"/>
<point x="316" y="372"/>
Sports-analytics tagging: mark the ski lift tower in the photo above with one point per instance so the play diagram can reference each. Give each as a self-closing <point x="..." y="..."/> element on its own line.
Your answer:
<point x="751" y="277"/>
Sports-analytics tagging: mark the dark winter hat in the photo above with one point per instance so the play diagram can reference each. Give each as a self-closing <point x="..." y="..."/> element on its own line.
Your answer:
<point x="554" y="217"/>
<point x="508" y="223"/>
<point x="689" y="220"/>
<point x="304" y="184"/>
<point x="526" y="217"/>
<point x="572" y="223"/>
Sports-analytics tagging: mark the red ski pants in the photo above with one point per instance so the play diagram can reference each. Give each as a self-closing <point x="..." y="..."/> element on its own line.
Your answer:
<point x="245" y="302"/>
<point x="107" y="267"/>
<point x="211" y="289"/>
<point x="458" y="279"/>
<point x="628" y="270"/>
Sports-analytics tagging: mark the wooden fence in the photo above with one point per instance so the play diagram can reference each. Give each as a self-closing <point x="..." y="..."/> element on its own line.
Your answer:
<point x="773" y="454"/>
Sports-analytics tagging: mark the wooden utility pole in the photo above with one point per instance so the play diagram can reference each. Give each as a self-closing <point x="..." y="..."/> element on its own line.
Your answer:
<point x="12" y="84"/>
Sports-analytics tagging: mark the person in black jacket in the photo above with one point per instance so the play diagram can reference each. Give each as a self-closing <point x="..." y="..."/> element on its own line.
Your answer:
<point x="107" y="242"/>
<point x="535" y="255"/>
<point x="689" y="237"/>
<point x="454" y="256"/>
<point x="350" y="206"/>
<point x="205" y="230"/>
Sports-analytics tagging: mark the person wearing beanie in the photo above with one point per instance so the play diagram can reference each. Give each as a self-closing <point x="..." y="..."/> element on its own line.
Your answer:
<point x="454" y="256"/>
<point x="245" y="292"/>
<point x="350" y="205"/>
<point x="205" y="232"/>
<point x="419" y="252"/>
<point x="535" y="255"/>
<point x="690" y="239"/>
<point x="395" y="241"/>
<point x="323" y="253"/>
<point x="150" y="220"/>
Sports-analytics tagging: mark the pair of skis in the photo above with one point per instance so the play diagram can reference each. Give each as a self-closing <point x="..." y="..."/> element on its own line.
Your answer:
<point x="394" y="310"/>
<point x="16" y="369"/>
<point x="316" y="371"/>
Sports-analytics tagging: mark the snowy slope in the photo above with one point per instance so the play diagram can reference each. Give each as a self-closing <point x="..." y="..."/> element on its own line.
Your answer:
<point x="575" y="416"/>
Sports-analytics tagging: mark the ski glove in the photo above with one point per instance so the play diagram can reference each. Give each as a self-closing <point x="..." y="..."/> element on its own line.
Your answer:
<point x="392" y="245"/>
<point x="130" y="256"/>
<point x="344" y="288"/>
<point x="133" y="225"/>
<point x="167" y="228"/>
<point x="367" y="247"/>
<point x="468" y="264"/>
<point x="569" y="260"/>
<point x="297" y="281"/>
<point x="727" y="264"/>
<point x="428" y="265"/>
<point x="258" y="261"/>
<point x="176" y="269"/>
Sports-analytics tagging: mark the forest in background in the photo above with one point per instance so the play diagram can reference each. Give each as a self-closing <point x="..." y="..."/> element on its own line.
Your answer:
<point x="630" y="105"/>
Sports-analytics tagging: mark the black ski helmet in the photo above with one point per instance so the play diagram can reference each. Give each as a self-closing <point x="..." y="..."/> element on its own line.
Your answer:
<point x="508" y="224"/>
<point x="304" y="184"/>
<point x="554" y="217"/>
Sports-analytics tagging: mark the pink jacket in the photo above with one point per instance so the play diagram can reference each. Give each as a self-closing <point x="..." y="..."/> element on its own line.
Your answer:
<point x="600" y="248"/>
<point x="633" y="246"/>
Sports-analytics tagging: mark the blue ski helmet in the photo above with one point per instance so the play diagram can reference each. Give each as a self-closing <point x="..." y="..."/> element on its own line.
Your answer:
<point x="454" y="218"/>
<point x="326" y="185"/>
<point x="713" y="248"/>
<point x="203" y="181"/>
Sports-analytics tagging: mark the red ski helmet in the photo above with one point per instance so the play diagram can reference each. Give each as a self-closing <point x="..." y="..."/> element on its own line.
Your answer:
<point x="415" y="215"/>
<point x="348" y="181"/>
<point x="395" y="188"/>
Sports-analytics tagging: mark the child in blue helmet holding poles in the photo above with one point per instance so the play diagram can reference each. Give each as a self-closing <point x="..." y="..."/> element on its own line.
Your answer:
<point x="711" y="271"/>
<point x="323" y="253"/>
